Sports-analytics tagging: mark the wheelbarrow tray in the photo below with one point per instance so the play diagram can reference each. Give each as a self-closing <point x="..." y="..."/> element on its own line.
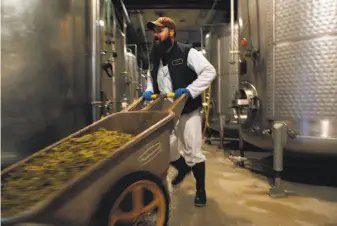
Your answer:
<point x="76" y="202"/>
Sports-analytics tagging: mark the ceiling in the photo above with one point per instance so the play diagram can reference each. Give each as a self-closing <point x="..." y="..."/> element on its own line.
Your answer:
<point x="189" y="16"/>
<point x="177" y="4"/>
<point x="185" y="19"/>
<point x="188" y="21"/>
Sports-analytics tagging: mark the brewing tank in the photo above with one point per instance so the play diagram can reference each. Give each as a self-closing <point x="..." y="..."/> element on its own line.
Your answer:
<point x="217" y="51"/>
<point x="51" y="71"/>
<point x="45" y="73"/>
<point x="133" y="74"/>
<point x="289" y="72"/>
<point x="116" y="87"/>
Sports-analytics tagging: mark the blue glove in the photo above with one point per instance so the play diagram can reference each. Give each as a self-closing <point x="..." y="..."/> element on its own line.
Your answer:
<point x="147" y="95"/>
<point x="180" y="91"/>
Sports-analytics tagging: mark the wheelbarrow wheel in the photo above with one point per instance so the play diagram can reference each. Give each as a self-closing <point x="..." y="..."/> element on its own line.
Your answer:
<point x="136" y="200"/>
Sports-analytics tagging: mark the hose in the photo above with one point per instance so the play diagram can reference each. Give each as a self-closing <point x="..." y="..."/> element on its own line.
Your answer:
<point x="207" y="108"/>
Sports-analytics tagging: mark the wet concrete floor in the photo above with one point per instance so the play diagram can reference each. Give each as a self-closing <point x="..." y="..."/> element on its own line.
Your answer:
<point x="239" y="197"/>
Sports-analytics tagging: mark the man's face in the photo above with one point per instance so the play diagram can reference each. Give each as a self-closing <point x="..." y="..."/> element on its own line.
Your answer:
<point x="161" y="32"/>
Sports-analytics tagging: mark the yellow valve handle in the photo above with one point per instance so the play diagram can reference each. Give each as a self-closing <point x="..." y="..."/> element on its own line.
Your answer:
<point x="168" y="95"/>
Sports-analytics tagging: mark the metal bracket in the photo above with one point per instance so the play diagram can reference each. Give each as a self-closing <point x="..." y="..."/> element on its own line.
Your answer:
<point x="254" y="103"/>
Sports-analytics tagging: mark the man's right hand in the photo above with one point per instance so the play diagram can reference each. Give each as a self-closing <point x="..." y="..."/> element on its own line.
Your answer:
<point x="147" y="95"/>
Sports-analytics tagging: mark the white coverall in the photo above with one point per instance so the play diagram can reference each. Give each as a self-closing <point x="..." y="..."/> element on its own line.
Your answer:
<point x="186" y="137"/>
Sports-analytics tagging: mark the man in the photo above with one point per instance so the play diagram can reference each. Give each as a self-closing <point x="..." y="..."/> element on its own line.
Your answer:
<point x="179" y="68"/>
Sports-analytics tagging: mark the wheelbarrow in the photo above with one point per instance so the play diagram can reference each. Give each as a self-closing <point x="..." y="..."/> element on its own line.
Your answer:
<point x="126" y="188"/>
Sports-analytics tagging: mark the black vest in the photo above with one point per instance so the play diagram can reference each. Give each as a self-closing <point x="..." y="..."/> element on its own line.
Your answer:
<point x="181" y="75"/>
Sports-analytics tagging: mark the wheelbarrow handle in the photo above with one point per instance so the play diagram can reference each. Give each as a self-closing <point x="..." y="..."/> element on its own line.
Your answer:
<point x="178" y="105"/>
<point x="167" y="95"/>
<point x="135" y="105"/>
<point x="158" y="101"/>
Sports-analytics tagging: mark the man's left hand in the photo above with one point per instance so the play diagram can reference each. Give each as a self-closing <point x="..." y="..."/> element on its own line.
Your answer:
<point x="180" y="91"/>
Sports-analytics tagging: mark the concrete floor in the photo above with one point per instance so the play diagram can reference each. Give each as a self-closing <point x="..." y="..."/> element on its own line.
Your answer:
<point x="238" y="197"/>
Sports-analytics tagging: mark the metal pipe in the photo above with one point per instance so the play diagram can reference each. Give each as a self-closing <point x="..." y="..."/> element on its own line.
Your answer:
<point x="279" y="139"/>
<point x="280" y="135"/>
<point x="273" y="59"/>
<point x="210" y="11"/>
<point x="238" y="159"/>
<point x="202" y="31"/>
<point x="114" y="25"/>
<point x="219" y="77"/>
<point x="136" y="50"/>
<point x="201" y="38"/>
<point x="133" y="87"/>
<point x="205" y="22"/>
<point x="133" y="35"/>
<point x="124" y="32"/>
<point x="241" y="141"/>
<point x="126" y="15"/>
<point x="113" y="79"/>
<point x="95" y="58"/>
<point x="141" y="22"/>
<point x="124" y="72"/>
<point x="219" y="110"/>
<point x="225" y="139"/>
<point x="232" y="31"/>
<point x="142" y="27"/>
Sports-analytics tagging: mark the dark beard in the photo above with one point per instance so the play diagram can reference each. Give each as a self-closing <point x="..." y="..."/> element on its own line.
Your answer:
<point x="160" y="48"/>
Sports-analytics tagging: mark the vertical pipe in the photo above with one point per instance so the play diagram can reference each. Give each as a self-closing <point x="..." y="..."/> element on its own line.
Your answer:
<point x="141" y="22"/>
<point x="221" y="119"/>
<point x="241" y="142"/>
<point x="202" y="38"/>
<point x="140" y="79"/>
<point x="108" y="12"/>
<point x="279" y="136"/>
<point x="95" y="58"/>
<point x="113" y="79"/>
<point x="279" y="140"/>
<point x="125" y="49"/>
<point x="219" y="110"/>
<point x="232" y="31"/>
<point x="206" y="23"/>
<point x="273" y="59"/>
<point x="133" y="78"/>
<point x="124" y="37"/>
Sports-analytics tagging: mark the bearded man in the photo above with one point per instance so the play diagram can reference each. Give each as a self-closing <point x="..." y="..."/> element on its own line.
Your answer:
<point x="179" y="68"/>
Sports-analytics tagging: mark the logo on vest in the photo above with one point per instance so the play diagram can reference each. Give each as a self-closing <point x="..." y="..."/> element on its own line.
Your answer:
<point x="177" y="62"/>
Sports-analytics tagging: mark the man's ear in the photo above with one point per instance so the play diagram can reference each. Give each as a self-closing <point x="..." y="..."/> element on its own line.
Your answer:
<point x="171" y="33"/>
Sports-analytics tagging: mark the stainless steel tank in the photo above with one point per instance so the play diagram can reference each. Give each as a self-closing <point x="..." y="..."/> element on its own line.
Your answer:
<point x="133" y="75"/>
<point x="290" y="50"/>
<point x="51" y="71"/>
<point x="217" y="51"/>
<point x="45" y="73"/>
<point x="116" y="87"/>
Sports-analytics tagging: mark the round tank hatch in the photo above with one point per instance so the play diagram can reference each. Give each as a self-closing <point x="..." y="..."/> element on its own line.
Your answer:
<point x="246" y="104"/>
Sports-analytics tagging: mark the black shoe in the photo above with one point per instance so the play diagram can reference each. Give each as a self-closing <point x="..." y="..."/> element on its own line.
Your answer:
<point x="199" y="175"/>
<point x="200" y="198"/>
<point x="183" y="170"/>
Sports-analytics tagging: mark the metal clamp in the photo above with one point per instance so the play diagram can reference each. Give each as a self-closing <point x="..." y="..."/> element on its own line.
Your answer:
<point x="291" y="133"/>
<point x="254" y="103"/>
<point x="267" y="132"/>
